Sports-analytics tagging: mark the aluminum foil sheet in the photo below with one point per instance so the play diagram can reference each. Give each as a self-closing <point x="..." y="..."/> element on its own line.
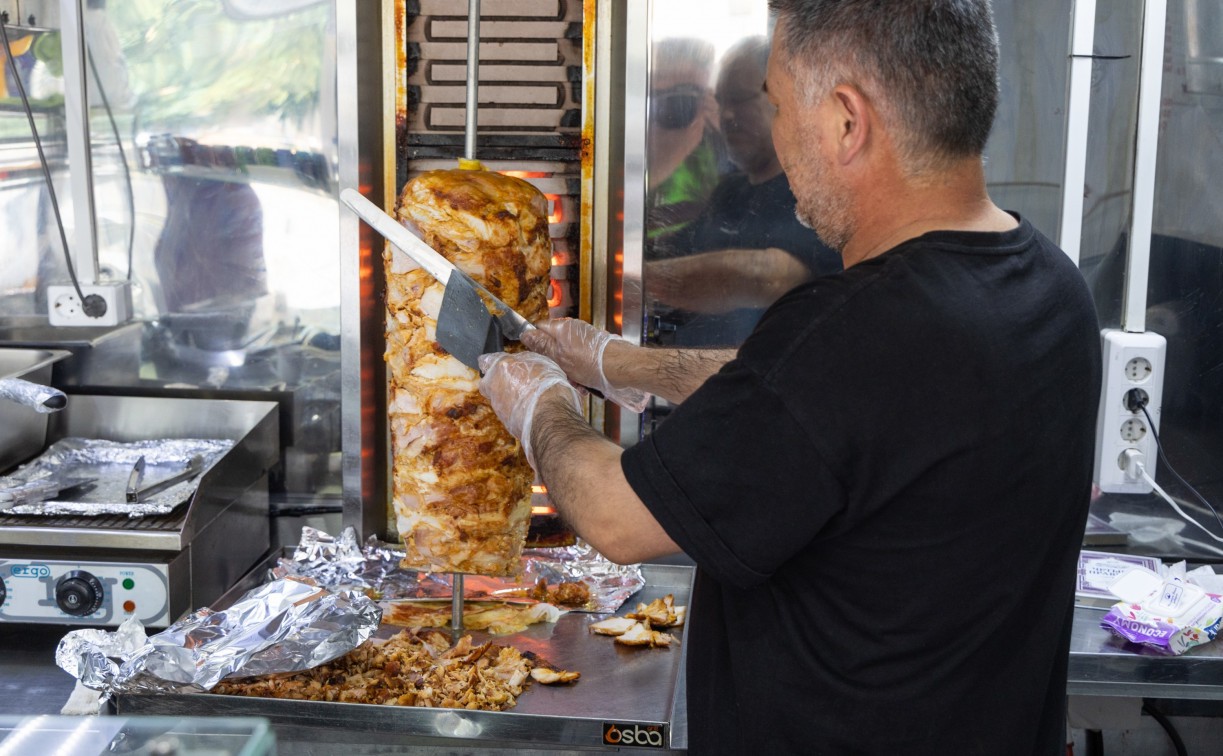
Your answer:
<point x="340" y="562"/>
<point x="98" y="471"/>
<point x="284" y="626"/>
<point x="36" y="396"/>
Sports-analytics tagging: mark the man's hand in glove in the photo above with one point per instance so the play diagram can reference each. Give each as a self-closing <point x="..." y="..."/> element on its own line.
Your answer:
<point x="579" y="349"/>
<point x="515" y="384"/>
<point x="578" y="464"/>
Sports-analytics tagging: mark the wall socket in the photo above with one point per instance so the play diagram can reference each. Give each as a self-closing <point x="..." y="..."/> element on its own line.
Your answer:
<point x="64" y="306"/>
<point x="1131" y="361"/>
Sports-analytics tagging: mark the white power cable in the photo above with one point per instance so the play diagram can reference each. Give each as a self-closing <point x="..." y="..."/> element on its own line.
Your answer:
<point x="1139" y="468"/>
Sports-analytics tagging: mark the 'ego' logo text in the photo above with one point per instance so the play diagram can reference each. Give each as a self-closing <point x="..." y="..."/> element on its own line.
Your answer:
<point x="30" y="571"/>
<point x="641" y="736"/>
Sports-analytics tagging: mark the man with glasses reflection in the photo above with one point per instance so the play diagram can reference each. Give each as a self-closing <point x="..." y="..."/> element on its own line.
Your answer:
<point x="885" y="488"/>
<point x="746" y="248"/>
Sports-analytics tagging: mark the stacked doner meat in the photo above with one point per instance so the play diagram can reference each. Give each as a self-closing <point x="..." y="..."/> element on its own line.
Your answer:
<point x="461" y="485"/>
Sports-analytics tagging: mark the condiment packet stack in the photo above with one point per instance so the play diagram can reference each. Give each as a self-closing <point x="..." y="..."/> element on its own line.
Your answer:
<point x="1167" y="613"/>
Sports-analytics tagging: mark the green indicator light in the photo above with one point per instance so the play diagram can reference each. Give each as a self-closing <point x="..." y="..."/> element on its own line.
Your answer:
<point x="128" y="584"/>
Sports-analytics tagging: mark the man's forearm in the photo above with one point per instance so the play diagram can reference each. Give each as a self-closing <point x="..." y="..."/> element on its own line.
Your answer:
<point x="581" y="469"/>
<point x="672" y="374"/>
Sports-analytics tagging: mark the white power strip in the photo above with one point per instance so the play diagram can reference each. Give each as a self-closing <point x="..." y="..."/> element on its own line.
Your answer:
<point x="64" y="307"/>
<point x="1132" y="362"/>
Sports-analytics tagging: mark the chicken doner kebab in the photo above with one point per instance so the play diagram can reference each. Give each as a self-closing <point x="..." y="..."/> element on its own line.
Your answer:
<point x="461" y="485"/>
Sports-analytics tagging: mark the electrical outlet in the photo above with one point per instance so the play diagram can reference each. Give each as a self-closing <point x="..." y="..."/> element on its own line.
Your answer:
<point x="1131" y="361"/>
<point x="64" y="307"/>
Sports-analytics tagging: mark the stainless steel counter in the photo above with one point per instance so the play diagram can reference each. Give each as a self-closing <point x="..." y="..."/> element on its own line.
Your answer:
<point x="1102" y="665"/>
<point x="640" y="681"/>
<point x="637" y="687"/>
<point x="30" y="683"/>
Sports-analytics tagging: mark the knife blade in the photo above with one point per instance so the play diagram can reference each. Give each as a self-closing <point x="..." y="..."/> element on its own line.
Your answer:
<point x="403" y="241"/>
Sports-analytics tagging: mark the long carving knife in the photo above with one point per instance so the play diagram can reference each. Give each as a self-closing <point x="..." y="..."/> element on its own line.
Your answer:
<point x="511" y="324"/>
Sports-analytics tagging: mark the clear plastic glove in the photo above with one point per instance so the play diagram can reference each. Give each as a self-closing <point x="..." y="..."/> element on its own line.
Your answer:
<point x="513" y="384"/>
<point x="578" y="348"/>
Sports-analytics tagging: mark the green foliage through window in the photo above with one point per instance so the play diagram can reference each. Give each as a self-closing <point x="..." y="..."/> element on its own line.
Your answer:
<point x="190" y="64"/>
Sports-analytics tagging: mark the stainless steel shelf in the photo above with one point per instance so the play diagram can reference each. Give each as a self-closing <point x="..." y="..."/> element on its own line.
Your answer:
<point x="1103" y="665"/>
<point x="618" y="684"/>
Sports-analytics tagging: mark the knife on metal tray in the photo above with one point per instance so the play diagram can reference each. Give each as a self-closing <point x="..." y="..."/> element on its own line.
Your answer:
<point x="511" y="324"/>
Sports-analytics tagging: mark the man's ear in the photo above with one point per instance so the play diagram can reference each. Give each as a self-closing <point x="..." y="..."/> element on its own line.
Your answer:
<point x="855" y="119"/>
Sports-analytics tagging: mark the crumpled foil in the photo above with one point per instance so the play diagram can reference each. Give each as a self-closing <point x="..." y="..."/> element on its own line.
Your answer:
<point x="36" y="396"/>
<point x="107" y="465"/>
<point x="284" y="626"/>
<point x="340" y="562"/>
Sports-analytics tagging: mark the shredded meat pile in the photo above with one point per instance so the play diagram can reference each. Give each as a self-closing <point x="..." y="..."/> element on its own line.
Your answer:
<point x="412" y="669"/>
<point x="461" y="485"/>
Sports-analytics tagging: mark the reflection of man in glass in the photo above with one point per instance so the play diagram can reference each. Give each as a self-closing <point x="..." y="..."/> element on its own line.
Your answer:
<point x="683" y="146"/>
<point x="751" y="248"/>
<point x="209" y="256"/>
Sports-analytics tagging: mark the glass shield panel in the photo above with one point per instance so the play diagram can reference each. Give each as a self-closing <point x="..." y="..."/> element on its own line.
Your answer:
<point x="214" y="149"/>
<point x="1185" y="288"/>
<point x="721" y="239"/>
<point x="1108" y="194"/>
<point x="225" y="111"/>
<point x="1024" y="157"/>
<point x="231" y="153"/>
<point x="29" y="241"/>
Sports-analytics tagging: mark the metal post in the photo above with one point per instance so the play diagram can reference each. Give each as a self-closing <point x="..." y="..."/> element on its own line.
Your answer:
<point x="1078" y="108"/>
<point x="636" y="178"/>
<point x="473" y="78"/>
<point x="80" y="158"/>
<point x="1150" y="88"/>
<point x="469" y="152"/>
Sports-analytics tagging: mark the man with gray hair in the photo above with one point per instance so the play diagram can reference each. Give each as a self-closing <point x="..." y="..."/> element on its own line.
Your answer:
<point x="885" y="488"/>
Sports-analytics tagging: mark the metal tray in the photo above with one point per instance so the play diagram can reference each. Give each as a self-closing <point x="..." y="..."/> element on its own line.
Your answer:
<point x="627" y="686"/>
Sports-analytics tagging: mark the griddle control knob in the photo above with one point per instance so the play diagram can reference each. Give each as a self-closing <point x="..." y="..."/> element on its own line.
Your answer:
<point x="78" y="593"/>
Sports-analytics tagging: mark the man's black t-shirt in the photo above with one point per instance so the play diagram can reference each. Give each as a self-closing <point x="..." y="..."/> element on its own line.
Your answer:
<point x="885" y="493"/>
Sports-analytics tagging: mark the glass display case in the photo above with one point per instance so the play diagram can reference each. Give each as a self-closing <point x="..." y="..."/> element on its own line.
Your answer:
<point x="215" y="148"/>
<point x="1182" y="297"/>
<point x="683" y="143"/>
<point x="710" y="234"/>
<point x="182" y="736"/>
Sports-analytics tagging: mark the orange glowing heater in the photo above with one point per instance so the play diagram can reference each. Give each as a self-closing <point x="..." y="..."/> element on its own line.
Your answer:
<point x="548" y="529"/>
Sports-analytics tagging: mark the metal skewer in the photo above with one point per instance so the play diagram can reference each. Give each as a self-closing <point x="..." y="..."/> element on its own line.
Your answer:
<point x="473" y="78"/>
<point x="469" y="152"/>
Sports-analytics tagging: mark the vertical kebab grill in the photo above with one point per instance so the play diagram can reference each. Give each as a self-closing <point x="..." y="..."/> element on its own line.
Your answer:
<point x="461" y="486"/>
